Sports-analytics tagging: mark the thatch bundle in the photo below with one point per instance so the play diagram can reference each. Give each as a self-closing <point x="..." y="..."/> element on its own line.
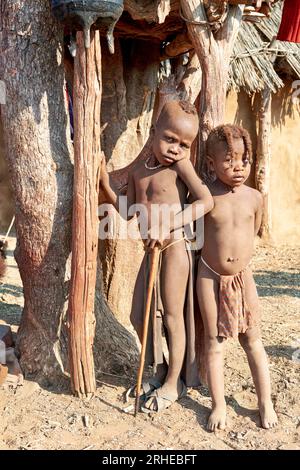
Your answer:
<point x="257" y="56"/>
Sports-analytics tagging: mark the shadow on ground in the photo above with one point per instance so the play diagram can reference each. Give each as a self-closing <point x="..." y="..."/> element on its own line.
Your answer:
<point x="285" y="351"/>
<point x="272" y="283"/>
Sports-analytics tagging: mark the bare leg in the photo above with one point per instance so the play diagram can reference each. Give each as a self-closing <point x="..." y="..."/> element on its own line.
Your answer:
<point x="258" y="363"/>
<point x="257" y="358"/>
<point x="174" y="277"/>
<point x="207" y="291"/>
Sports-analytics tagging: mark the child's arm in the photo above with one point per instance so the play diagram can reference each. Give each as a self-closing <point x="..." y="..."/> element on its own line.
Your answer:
<point x="258" y="212"/>
<point x="202" y="202"/>
<point x="112" y="195"/>
<point x="199" y="192"/>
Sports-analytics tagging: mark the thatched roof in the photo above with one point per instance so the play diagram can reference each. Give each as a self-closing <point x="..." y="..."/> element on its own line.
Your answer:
<point x="258" y="60"/>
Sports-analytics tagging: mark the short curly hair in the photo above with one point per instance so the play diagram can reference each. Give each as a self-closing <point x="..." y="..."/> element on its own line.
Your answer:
<point x="226" y="133"/>
<point x="184" y="105"/>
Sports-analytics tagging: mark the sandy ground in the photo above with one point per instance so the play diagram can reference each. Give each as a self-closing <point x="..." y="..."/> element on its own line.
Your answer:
<point x="32" y="417"/>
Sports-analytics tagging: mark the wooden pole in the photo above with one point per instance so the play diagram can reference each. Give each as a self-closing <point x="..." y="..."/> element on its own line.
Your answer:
<point x="263" y="158"/>
<point x="87" y="100"/>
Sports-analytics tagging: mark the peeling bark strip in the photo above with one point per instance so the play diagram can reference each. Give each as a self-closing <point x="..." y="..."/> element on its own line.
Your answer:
<point x="87" y="101"/>
<point x="214" y="51"/>
<point x="263" y="158"/>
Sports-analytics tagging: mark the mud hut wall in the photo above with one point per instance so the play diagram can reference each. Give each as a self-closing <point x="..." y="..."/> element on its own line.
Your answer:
<point x="285" y="160"/>
<point x="285" y="170"/>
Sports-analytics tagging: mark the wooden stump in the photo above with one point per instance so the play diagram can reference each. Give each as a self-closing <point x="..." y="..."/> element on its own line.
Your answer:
<point x="87" y="100"/>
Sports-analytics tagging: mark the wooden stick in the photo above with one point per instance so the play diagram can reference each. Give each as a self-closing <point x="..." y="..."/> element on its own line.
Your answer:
<point x="152" y="277"/>
<point x="9" y="229"/>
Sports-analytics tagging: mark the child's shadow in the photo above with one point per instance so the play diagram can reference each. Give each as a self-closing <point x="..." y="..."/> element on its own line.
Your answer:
<point x="202" y="412"/>
<point x="243" y="411"/>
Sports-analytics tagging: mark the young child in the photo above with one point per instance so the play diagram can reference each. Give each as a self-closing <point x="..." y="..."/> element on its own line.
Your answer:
<point x="225" y="286"/>
<point x="166" y="178"/>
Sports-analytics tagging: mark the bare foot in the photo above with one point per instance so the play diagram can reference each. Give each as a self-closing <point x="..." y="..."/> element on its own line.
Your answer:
<point x="217" y="419"/>
<point x="268" y="416"/>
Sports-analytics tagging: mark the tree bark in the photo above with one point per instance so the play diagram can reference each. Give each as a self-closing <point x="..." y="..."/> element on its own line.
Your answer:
<point x="190" y="85"/>
<point x="81" y="319"/>
<point x="38" y="153"/>
<point x="263" y="159"/>
<point x="214" y="51"/>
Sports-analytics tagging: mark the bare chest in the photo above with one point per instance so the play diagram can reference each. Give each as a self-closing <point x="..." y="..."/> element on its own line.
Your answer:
<point x="232" y="209"/>
<point x="161" y="186"/>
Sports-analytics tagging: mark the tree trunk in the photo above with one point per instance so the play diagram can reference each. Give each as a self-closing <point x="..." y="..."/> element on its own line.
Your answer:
<point x="39" y="155"/>
<point x="38" y="149"/>
<point x="87" y="100"/>
<point x="214" y="50"/>
<point x="263" y="159"/>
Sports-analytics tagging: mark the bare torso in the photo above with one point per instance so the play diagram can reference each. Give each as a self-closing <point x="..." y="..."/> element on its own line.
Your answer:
<point x="158" y="187"/>
<point x="229" y="229"/>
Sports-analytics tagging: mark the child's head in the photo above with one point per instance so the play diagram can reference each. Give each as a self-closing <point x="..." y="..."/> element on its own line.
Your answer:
<point x="229" y="154"/>
<point x="175" y="131"/>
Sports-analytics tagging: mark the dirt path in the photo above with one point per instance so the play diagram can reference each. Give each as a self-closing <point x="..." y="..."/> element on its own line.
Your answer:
<point x="35" y="418"/>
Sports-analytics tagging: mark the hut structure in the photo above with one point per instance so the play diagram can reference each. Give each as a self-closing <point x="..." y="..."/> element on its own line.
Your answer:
<point x="152" y="44"/>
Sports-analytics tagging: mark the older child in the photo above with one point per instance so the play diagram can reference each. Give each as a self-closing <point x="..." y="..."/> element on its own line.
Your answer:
<point x="165" y="179"/>
<point x="225" y="286"/>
